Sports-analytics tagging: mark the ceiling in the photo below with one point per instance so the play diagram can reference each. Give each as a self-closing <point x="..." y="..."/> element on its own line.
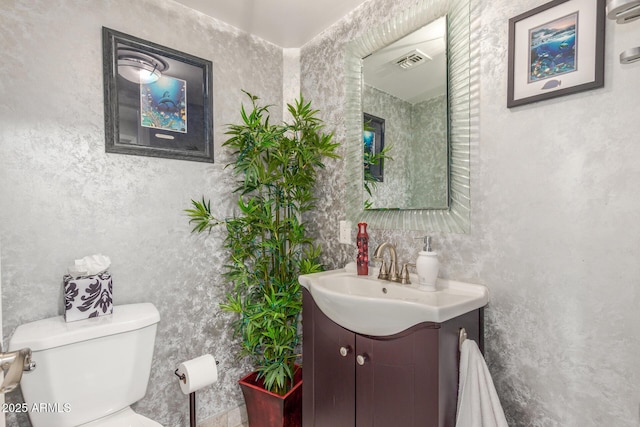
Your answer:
<point x="417" y="83"/>
<point x="285" y="23"/>
<point x="292" y="23"/>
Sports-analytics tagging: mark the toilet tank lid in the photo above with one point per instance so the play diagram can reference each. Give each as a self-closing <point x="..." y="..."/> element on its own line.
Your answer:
<point x="55" y="332"/>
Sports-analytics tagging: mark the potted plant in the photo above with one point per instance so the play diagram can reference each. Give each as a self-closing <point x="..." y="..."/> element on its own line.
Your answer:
<point x="268" y="244"/>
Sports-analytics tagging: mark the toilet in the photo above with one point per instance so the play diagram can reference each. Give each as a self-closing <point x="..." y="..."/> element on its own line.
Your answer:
<point x="89" y="372"/>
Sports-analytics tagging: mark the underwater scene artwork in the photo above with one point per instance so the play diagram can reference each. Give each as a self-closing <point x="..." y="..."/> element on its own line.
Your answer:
<point x="163" y="104"/>
<point x="369" y="141"/>
<point x="552" y="48"/>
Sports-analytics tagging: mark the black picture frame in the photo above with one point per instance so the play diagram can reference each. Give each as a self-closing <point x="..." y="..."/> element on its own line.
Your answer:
<point x="139" y="120"/>
<point x="556" y="49"/>
<point x="373" y="128"/>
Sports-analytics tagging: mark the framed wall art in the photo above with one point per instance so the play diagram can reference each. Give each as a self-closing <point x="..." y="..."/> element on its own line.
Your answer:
<point x="556" y="49"/>
<point x="157" y="101"/>
<point x="373" y="140"/>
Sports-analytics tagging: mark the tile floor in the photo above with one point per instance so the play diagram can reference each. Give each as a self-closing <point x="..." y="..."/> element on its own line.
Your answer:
<point x="234" y="418"/>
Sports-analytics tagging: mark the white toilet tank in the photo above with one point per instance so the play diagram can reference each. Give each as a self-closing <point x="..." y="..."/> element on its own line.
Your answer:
<point x="87" y="369"/>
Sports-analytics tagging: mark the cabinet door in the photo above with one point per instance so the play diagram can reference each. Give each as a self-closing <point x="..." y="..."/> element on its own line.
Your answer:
<point x="328" y="370"/>
<point x="397" y="382"/>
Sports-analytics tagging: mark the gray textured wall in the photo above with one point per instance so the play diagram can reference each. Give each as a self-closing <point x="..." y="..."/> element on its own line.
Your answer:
<point x="63" y="197"/>
<point x="555" y="233"/>
<point x="427" y="167"/>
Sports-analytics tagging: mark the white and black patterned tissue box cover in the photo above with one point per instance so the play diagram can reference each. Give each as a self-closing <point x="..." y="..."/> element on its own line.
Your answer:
<point x="87" y="296"/>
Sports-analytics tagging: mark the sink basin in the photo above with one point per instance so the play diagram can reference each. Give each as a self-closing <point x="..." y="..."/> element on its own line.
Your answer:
<point x="370" y="306"/>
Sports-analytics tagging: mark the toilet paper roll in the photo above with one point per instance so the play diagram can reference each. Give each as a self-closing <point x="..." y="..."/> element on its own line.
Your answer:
<point x="198" y="373"/>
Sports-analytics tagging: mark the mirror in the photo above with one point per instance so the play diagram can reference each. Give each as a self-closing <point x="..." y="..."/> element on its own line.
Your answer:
<point x="462" y="111"/>
<point x="405" y="88"/>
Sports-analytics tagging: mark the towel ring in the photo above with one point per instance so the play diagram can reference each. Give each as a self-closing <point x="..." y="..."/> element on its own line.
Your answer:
<point x="461" y="338"/>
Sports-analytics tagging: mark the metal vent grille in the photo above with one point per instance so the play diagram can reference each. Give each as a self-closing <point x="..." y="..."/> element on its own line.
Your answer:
<point x="412" y="59"/>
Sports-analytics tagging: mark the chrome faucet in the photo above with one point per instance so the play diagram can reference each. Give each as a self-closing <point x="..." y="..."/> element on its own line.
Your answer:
<point x="392" y="272"/>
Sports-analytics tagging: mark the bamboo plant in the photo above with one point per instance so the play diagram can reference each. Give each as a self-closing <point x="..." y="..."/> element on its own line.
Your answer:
<point x="267" y="239"/>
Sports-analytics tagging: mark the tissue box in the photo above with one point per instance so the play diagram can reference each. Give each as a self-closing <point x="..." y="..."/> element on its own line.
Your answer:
<point x="87" y="296"/>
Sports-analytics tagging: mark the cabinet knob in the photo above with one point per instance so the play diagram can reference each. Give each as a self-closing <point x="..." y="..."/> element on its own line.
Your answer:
<point x="345" y="350"/>
<point x="361" y="359"/>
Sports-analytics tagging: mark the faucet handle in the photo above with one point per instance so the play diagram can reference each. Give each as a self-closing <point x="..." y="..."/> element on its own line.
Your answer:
<point x="383" y="274"/>
<point x="405" y="280"/>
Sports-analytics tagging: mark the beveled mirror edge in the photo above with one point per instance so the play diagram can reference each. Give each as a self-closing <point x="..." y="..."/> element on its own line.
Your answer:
<point x="463" y="113"/>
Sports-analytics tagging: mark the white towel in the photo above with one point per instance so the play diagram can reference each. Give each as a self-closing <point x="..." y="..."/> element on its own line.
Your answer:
<point x="478" y="402"/>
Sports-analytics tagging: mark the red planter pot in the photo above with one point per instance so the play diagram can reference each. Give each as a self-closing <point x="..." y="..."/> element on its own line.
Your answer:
<point x="266" y="409"/>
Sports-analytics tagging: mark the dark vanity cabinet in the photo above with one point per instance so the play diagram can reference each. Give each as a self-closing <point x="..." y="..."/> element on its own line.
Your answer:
<point x="406" y="380"/>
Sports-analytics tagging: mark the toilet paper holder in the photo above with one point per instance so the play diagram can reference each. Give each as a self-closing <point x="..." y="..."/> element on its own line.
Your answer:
<point x="183" y="377"/>
<point x="192" y="397"/>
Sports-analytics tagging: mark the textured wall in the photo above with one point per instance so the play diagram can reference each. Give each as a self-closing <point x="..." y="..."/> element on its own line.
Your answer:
<point x="427" y="168"/>
<point x="391" y="192"/>
<point x="63" y="197"/>
<point x="554" y="232"/>
<point x="290" y="79"/>
<point x="416" y="177"/>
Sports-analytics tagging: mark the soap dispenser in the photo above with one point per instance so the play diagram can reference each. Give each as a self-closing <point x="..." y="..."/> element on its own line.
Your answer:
<point x="427" y="266"/>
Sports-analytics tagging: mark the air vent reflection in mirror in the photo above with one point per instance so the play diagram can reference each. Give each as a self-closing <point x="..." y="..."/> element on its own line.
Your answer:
<point x="412" y="59"/>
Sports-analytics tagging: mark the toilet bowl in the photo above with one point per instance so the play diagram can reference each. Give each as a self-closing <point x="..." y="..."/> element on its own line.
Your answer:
<point x="89" y="372"/>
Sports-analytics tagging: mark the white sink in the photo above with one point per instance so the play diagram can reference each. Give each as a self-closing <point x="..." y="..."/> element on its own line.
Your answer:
<point x="367" y="305"/>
